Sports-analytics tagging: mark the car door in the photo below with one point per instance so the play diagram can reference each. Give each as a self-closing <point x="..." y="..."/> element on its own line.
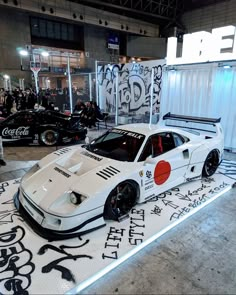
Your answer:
<point x="18" y="128"/>
<point x="167" y="158"/>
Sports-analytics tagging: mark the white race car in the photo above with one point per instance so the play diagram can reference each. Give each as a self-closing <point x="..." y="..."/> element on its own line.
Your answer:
<point x="76" y="189"/>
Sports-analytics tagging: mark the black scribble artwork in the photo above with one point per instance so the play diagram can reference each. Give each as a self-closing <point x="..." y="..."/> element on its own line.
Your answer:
<point x="17" y="181"/>
<point x="6" y="216"/>
<point x="3" y="185"/>
<point x="16" y="266"/>
<point x="65" y="272"/>
<point x="157" y="210"/>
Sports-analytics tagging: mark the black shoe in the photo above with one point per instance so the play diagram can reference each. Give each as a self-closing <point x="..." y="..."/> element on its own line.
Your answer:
<point x="2" y="163"/>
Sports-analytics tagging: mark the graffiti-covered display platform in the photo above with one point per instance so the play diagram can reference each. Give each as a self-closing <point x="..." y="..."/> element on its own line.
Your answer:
<point x="31" y="264"/>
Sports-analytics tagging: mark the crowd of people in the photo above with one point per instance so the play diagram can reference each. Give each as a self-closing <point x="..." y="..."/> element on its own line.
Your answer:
<point x="10" y="102"/>
<point x="89" y="113"/>
<point x="18" y="100"/>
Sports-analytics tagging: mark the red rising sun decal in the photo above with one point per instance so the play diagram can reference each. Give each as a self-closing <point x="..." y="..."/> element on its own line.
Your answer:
<point x="162" y="172"/>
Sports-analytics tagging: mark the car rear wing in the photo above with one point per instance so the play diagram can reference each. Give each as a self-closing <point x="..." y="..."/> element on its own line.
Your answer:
<point x="191" y="119"/>
<point x="192" y="123"/>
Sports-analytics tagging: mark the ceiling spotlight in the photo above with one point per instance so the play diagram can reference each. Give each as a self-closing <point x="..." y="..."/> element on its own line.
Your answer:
<point x="122" y="27"/>
<point x="81" y="17"/>
<point x="43" y="8"/>
<point x="45" y="53"/>
<point x="6" y="77"/>
<point x="23" y="52"/>
<point x="144" y="32"/>
<point x="100" y="21"/>
<point x="5" y="1"/>
<point x="127" y="28"/>
<point x="15" y="2"/>
<point x="106" y="23"/>
<point x="141" y="31"/>
<point x="74" y="15"/>
<point x="51" y="10"/>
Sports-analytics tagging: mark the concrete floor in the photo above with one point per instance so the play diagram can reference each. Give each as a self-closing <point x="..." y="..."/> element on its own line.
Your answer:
<point x="196" y="257"/>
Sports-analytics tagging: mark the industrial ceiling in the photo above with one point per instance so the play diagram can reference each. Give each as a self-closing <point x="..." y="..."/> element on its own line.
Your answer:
<point x="165" y="13"/>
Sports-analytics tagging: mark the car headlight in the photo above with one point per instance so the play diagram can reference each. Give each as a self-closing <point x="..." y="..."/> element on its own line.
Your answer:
<point x="76" y="198"/>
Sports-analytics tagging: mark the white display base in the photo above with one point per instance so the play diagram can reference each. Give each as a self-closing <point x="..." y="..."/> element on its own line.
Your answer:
<point x="29" y="263"/>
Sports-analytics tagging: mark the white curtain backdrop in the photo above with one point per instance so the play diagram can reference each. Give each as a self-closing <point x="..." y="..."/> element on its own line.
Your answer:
<point x="202" y="90"/>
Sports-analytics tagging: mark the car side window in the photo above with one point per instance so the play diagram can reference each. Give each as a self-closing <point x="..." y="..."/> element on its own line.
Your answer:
<point x="19" y="119"/>
<point x="178" y="139"/>
<point x="147" y="151"/>
<point x="168" y="142"/>
<point x="153" y="147"/>
<point x="161" y="143"/>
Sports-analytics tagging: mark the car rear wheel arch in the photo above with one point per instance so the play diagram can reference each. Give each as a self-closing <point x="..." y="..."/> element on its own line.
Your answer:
<point x="211" y="163"/>
<point x="121" y="199"/>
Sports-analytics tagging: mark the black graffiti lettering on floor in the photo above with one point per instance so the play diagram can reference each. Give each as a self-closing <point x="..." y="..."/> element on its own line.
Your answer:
<point x="136" y="232"/>
<point x="208" y="180"/>
<point x="170" y="203"/>
<point x="6" y="216"/>
<point x="160" y="196"/>
<point x="156" y="210"/>
<point x="55" y="264"/>
<point x="16" y="266"/>
<point x="218" y="188"/>
<point x="3" y="185"/>
<point x="181" y="212"/>
<point x="199" y="200"/>
<point x="187" y="197"/>
<point x="114" y="238"/>
<point x="17" y="181"/>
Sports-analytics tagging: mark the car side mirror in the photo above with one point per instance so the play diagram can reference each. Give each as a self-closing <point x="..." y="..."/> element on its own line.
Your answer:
<point x="149" y="160"/>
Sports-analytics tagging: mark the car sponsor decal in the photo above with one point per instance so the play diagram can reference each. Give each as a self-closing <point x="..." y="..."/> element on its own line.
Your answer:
<point x="20" y="131"/>
<point x="148" y="174"/>
<point x="162" y="172"/>
<point x="128" y="133"/>
<point x="62" y="172"/>
<point x="91" y="156"/>
<point x="141" y="173"/>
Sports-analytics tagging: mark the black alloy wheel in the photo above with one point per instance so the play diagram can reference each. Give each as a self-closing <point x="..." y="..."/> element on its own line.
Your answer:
<point x="120" y="200"/>
<point x="49" y="137"/>
<point x="211" y="164"/>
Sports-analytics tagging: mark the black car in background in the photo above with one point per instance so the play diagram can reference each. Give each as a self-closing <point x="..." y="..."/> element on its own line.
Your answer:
<point x="41" y="127"/>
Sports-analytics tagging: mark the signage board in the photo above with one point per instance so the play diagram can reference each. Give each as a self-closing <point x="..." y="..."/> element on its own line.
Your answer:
<point x="204" y="46"/>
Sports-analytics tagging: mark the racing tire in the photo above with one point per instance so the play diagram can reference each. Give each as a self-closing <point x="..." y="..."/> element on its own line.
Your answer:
<point x="211" y="164"/>
<point x="121" y="200"/>
<point x="49" y="137"/>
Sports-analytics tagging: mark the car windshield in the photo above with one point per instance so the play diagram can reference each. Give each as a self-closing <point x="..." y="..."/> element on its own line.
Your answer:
<point x="117" y="144"/>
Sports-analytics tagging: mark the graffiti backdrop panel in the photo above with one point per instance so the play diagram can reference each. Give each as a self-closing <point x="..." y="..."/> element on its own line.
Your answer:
<point x="29" y="263"/>
<point x="134" y="82"/>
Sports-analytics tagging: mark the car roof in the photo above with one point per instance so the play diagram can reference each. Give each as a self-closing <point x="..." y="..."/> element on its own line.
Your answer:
<point x="142" y="128"/>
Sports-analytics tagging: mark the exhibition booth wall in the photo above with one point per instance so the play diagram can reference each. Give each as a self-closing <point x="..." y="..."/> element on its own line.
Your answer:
<point x="206" y="89"/>
<point x="130" y="91"/>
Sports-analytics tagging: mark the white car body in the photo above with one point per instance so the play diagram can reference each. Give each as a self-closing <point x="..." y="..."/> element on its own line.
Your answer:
<point x="45" y="191"/>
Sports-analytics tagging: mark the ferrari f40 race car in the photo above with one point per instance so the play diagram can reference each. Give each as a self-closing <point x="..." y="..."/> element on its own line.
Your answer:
<point x="76" y="189"/>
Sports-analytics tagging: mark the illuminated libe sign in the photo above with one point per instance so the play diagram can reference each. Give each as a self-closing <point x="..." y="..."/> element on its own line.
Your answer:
<point x="203" y="46"/>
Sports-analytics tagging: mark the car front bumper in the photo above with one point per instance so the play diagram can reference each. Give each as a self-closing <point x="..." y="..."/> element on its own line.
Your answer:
<point x="48" y="227"/>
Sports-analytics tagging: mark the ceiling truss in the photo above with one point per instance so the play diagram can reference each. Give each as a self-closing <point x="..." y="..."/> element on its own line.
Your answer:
<point x="147" y="10"/>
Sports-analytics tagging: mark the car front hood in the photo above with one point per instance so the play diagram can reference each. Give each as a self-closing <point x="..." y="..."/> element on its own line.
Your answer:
<point x="48" y="188"/>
